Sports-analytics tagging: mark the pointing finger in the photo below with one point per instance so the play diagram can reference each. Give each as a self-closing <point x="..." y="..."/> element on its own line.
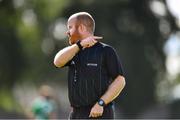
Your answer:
<point x="97" y="37"/>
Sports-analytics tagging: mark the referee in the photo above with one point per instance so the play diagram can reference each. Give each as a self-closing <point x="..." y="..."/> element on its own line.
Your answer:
<point x="95" y="76"/>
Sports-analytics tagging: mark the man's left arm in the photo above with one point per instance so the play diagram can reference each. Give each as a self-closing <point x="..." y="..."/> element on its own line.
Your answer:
<point x="112" y="92"/>
<point x="114" y="89"/>
<point x="114" y="68"/>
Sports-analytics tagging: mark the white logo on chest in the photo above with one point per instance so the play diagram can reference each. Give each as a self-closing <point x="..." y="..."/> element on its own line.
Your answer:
<point x="92" y="64"/>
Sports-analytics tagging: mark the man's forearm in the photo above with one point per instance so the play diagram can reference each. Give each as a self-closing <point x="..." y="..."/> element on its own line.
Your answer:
<point x="64" y="55"/>
<point x="114" y="89"/>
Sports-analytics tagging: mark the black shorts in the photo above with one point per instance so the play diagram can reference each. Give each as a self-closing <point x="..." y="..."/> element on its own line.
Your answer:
<point x="83" y="113"/>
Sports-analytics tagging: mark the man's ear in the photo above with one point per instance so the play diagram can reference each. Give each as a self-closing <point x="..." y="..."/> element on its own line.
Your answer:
<point x="82" y="28"/>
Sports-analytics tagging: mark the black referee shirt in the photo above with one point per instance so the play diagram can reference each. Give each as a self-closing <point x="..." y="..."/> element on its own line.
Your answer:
<point x="90" y="73"/>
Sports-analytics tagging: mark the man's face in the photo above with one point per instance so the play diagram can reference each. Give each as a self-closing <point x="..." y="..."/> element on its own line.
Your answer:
<point x="73" y="32"/>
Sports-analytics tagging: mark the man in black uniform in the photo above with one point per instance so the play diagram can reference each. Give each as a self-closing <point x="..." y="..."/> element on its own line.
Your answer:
<point x="95" y="76"/>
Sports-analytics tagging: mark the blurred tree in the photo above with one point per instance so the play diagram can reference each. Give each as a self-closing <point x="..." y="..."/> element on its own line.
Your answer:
<point x="23" y="26"/>
<point x="11" y="59"/>
<point x="136" y="28"/>
<point x="10" y="48"/>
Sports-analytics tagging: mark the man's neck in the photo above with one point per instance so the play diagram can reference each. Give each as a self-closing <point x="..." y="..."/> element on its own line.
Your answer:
<point x="86" y="35"/>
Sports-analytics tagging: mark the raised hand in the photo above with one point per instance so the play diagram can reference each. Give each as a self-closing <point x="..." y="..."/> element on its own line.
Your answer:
<point x="90" y="41"/>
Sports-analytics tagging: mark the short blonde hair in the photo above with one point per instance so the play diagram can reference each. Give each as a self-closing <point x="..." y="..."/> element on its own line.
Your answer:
<point x="85" y="19"/>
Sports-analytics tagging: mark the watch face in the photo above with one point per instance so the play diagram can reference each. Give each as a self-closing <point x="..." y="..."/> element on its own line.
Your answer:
<point x="101" y="102"/>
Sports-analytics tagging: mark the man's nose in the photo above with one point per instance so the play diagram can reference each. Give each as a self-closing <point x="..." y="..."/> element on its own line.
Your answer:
<point x="67" y="32"/>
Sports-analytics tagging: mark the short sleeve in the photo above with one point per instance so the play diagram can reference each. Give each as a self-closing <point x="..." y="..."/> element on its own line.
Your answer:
<point x="71" y="62"/>
<point x="68" y="63"/>
<point x="113" y="62"/>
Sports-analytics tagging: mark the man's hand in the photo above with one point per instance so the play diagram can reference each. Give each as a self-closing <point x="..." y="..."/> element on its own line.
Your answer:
<point x="96" y="111"/>
<point x="89" y="41"/>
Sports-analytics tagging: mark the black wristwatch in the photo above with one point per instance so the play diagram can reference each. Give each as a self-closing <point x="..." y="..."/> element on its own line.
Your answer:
<point x="101" y="102"/>
<point x="79" y="45"/>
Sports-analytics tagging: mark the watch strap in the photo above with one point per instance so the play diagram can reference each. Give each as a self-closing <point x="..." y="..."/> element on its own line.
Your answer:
<point x="101" y="102"/>
<point x="79" y="45"/>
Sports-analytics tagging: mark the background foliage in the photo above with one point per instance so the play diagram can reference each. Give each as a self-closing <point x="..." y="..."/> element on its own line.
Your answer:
<point x="32" y="32"/>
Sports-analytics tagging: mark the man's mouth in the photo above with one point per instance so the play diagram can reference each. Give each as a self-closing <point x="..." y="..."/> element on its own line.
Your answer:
<point x="69" y="35"/>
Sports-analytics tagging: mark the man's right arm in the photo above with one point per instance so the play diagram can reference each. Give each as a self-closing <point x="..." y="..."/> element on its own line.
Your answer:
<point x="65" y="55"/>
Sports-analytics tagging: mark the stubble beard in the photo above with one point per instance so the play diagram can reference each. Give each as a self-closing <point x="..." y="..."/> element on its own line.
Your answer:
<point x="74" y="38"/>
